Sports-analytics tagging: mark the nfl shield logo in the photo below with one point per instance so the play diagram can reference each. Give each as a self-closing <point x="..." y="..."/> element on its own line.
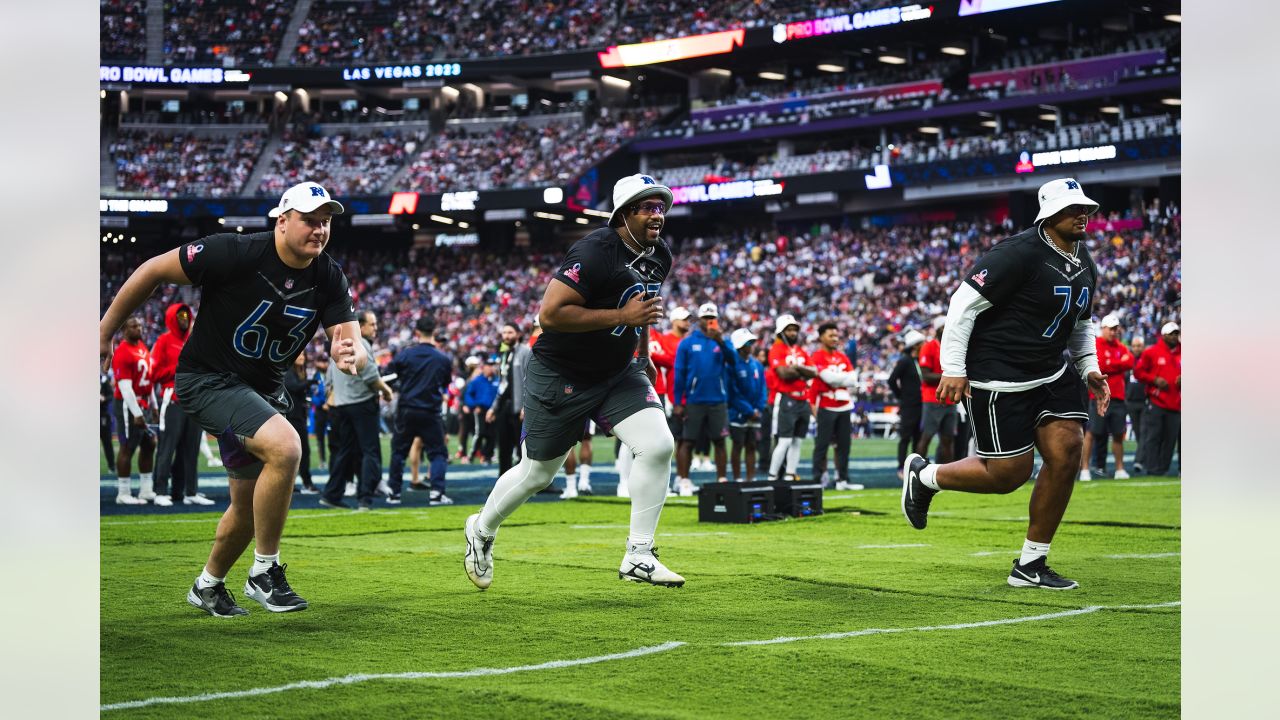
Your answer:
<point x="568" y="389"/>
<point x="288" y="284"/>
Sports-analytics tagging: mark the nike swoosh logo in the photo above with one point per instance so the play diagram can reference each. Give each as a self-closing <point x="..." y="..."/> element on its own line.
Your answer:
<point x="646" y="569"/>
<point x="1033" y="578"/>
<point x="284" y="296"/>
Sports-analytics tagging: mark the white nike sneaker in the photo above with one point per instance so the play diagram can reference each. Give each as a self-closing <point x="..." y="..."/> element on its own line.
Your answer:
<point x="584" y="487"/>
<point x="842" y="485"/>
<point x="1085" y="475"/>
<point x="478" y="562"/>
<point x="686" y="487"/>
<point x="1121" y="475"/>
<point x="147" y="495"/>
<point x="350" y="490"/>
<point x="570" y="490"/>
<point x="641" y="564"/>
<point x="197" y="499"/>
<point x="384" y="488"/>
<point x="125" y="499"/>
<point x="163" y="501"/>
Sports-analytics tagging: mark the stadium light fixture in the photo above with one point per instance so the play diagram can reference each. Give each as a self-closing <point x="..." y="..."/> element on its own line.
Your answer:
<point x="552" y="195"/>
<point x="722" y="72"/>
<point x="442" y="219"/>
<point x="281" y="97"/>
<point x="1174" y="18"/>
<point x="450" y="92"/>
<point x="989" y="123"/>
<point x="102" y="94"/>
<point x="929" y="129"/>
<point x="892" y="60"/>
<point x="954" y="50"/>
<point x="615" y="82"/>
<point x="1048" y="116"/>
<point x="548" y="216"/>
<point x="581" y="221"/>
<point x="769" y="75"/>
<point x="115" y="241"/>
<point x="240" y="228"/>
<point x="133" y="239"/>
<point x="1110" y="109"/>
<point x="831" y="68"/>
<point x="416" y="226"/>
<point x="464" y="225"/>
<point x="1176" y="102"/>
<point x="596" y="213"/>
<point x="222" y="221"/>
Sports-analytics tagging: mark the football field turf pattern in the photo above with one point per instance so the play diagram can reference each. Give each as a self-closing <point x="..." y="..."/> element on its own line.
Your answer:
<point x="868" y="617"/>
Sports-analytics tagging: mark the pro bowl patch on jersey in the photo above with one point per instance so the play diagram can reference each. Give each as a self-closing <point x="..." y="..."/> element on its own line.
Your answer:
<point x="572" y="273"/>
<point x="651" y="395"/>
<point x="980" y="278"/>
<point x="193" y="250"/>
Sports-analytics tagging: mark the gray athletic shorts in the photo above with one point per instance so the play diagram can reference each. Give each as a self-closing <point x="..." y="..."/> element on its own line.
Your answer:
<point x="1110" y="424"/>
<point x="226" y="406"/>
<point x="791" y="416"/>
<point x="710" y="422"/>
<point x="557" y="410"/>
<point x="740" y="434"/>
<point x="939" y="419"/>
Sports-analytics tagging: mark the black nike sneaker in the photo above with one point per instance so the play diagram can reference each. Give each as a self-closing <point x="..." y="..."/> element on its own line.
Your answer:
<point x="916" y="496"/>
<point x="215" y="600"/>
<point x="1037" y="573"/>
<point x="272" y="591"/>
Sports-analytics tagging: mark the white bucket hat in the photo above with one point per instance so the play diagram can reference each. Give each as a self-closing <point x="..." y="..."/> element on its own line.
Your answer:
<point x="305" y="197"/>
<point x="634" y="187"/>
<point x="783" y="322"/>
<point x="1058" y="194"/>
<point x="912" y="338"/>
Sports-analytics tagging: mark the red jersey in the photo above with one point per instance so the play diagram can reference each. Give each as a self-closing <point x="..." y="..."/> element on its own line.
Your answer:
<point x="784" y="354"/>
<point x="930" y="359"/>
<point x="662" y="350"/>
<point x="1160" y="360"/>
<point x="132" y="361"/>
<point x="1114" y="361"/>
<point x="164" y="354"/>
<point x="831" y="398"/>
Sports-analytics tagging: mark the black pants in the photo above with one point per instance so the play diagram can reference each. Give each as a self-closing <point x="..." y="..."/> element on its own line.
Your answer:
<point x="908" y="430"/>
<point x="322" y="430"/>
<point x="1137" y="408"/>
<point x="104" y="434"/>
<point x="413" y="423"/>
<point x="1161" y="434"/>
<point x="357" y="449"/>
<point x="764" y="441"/>
<point x="304" y="464"/>
<point x="176" y="454"/>
<point x="838" y="426"/>
<point x="484" y="438"/>
<point x="507" y="428"/>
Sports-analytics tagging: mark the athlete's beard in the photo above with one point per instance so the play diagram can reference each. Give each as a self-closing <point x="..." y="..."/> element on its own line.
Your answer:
<point x="642" y="245"/>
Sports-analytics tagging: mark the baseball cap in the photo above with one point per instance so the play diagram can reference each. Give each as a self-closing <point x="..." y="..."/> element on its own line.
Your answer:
<point x="784" y="321"/>
<point x="708" y="310"/>
<point x="741" y="337"/>
<point x="1110" y="321"/>
<point x="634" y="187"/>
<point x="472" y="360"/>
<point x="912" y="338"/>
<point x="1170" y="327"/>
<point x="680" y="313"/>
<point x="305" y="197"/>
<point x="1057" y="194"/>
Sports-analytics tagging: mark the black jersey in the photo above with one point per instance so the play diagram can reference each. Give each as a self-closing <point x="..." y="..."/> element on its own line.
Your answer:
<point x="607" y="273"/>
<point x="256" y="313"/>
<point x="1038" y="295"/>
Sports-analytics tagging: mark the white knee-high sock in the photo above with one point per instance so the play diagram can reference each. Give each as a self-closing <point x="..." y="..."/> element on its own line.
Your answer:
<point x="779" y="456"/>
<point x="793" y="456"/>
<point x="516" y="486"/>
<point x="625" y="459"/>
<point x="649" y="438"/>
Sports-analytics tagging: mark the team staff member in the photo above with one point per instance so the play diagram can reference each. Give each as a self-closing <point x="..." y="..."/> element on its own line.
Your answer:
<point x="131" y="367"/>
<point x="1114" y="361"/>
<point x="748" y="404"/>
<point x="939" y="418"/>
<point x="263" y="296"/>
<point x="508" y="407"/>
<point x="180" y="436"/>
<point x="423" y="374"/>
<point x="356" y="426"/>
<point x="791" y="372"/>
<point x="832" y="404"/>
<point x="704" y="362"/>
<point x="1160" y="369"/>
<point x="905" y="383"/>
<point x="595" y="314"/>
<point x="1020" y="308"/>
<point x="1135" y="397"/>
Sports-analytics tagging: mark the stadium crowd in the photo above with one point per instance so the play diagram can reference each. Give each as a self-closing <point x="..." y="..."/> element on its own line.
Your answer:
<point x="244" y="32"/>
<point x="345" y="163"/>
<point x="184" y="163"/>
<point x="123" y="29"/>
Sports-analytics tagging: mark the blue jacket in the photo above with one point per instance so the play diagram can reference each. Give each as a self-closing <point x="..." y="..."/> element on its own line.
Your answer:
<point x="422" y="376"/>
<point x="702" y="370"/>
<point x="747" y="392"/>
<point x="480" y="392"/>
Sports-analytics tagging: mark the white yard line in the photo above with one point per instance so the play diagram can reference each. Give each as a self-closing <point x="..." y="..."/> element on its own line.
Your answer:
<point x="1138" y="556"/>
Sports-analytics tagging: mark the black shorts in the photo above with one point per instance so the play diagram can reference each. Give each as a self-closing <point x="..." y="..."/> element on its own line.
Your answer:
<point x="790" y="417"/>
<point x="556" y="409"/>
<point x="1004" y="423"/>
<point x="909" y="421"/>
<point x="1110" y="424"/>
<point x="705" y="422"/>
<point x="131" y="436"/>
<point x="741" y="434"/>
<point x="226" y="406"/>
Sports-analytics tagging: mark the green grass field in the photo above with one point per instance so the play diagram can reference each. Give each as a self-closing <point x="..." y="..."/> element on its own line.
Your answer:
<point x="388" y="596"/>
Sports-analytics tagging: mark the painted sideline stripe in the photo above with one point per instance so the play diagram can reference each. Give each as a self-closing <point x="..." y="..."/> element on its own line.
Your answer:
<point x="293" y="517"/>
<point x="1149" y="556"/>
<point x="365" y="677"/>
<point x="957" y="626"/>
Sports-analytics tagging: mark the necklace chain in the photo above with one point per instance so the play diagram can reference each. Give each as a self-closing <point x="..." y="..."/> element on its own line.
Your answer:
<point x="1071" y="256"/>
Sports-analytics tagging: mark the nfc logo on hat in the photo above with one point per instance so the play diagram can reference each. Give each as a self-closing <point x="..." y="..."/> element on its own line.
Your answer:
<point x="317" y="191"/>
<point x="1073" y="185"/>
<point x="648" y="180"/>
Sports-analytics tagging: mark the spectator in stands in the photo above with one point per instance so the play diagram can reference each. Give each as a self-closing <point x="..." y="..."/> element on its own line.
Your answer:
<point x="1114" y="361"/>
<point x="1160" y="369"/>
<point x="748" y="404"/>
<point x="905" y="382"/>
<point x="704" y="366"/>
<point x="832" y="399"/>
